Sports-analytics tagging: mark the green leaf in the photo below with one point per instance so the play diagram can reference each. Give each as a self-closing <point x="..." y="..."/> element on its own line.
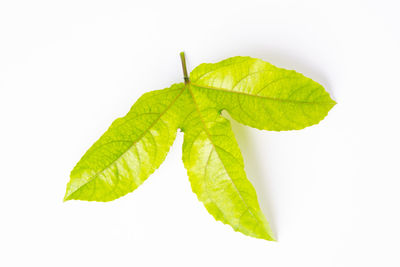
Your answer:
<point x="261" y="95"/>
<point x="131" y="149"/>
<point x="216" y="171"/>
<point x="254" y="93"/>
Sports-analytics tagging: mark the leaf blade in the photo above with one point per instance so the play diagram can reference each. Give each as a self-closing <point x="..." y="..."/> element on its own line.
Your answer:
<point x="261" y="95"/>
<point x="216" y="172"/>
<point x="129" y="151"/>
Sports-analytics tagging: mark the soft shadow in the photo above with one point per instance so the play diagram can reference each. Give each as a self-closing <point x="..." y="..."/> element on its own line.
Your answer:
<point x="253" y="170"/>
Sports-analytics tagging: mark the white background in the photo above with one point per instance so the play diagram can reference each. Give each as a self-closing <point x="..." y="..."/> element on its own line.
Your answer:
<point x="69" y="68"/>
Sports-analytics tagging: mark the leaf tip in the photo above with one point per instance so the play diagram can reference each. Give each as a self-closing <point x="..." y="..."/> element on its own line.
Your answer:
<point x="267" y="234"/>
<point x="68" y="193"/>
<point x="271" y="238"/>
<point x="66" y="197"/>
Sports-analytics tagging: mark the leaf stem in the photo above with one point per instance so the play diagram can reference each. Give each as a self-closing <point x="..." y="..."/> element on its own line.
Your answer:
<point x="185" y="73"/>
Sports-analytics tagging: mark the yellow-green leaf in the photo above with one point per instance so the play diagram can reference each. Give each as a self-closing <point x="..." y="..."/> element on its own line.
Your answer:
<point x="260" y="95"/>
<point x="216" y="172"/>
<point x="253" y="91"/>
<point x="131" y="149"/>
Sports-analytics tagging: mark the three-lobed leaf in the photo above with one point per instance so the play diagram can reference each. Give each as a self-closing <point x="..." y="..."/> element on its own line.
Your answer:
<point x="254" y="93"/>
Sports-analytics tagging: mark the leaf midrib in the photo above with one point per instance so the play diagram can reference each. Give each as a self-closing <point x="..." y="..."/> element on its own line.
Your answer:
<point x="260" y="96"/>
